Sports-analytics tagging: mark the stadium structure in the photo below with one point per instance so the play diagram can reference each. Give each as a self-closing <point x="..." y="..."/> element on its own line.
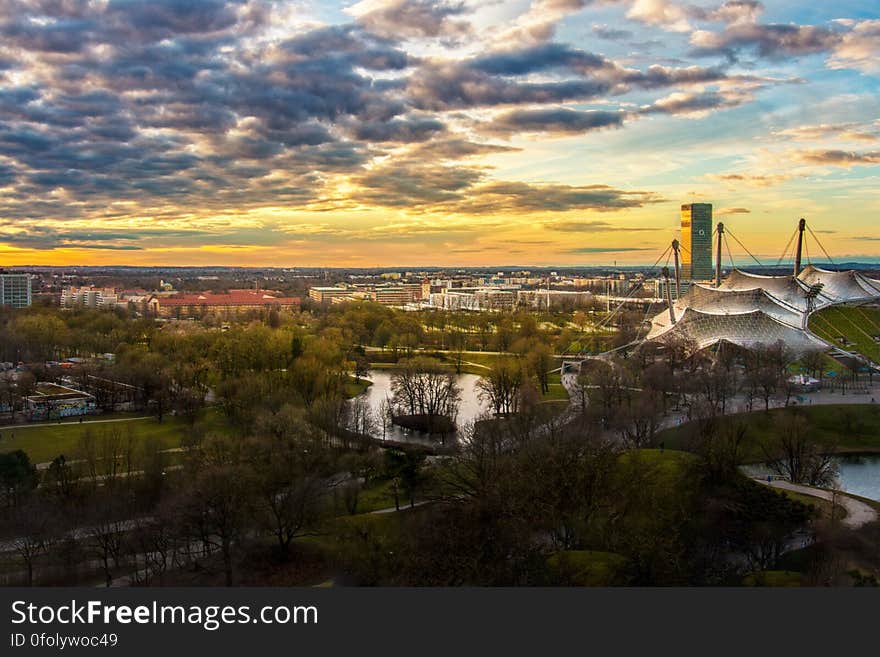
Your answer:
<point x="748" y="309"/>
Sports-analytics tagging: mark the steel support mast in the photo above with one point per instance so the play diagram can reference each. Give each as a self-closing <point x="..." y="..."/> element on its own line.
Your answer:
<point x="720" y="232"/>
<point x="802" y="225"/>
<point x="675" y="247"/>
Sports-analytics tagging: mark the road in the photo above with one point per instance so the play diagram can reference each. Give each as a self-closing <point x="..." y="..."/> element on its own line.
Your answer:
<point x="858" y="513"/>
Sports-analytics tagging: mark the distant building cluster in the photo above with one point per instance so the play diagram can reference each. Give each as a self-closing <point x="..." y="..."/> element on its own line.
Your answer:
<point x="504" y="291"/>
<point x="170" y="304"/>
<point x="397" y="294"/>
<point x="226" y="304"/>
<point x="89" y="297"/>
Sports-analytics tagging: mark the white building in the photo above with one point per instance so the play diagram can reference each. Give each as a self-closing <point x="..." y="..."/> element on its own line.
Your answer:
<point x="89" y="297"/>
<point x="15" y="290"/>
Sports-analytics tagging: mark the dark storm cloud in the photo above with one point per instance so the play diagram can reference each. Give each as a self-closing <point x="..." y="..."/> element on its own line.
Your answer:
<point x="458" y="87"/>
<point x="525" y="197"/>
<point x="657" y="77"/>
<point x="399" y="130"/>
<point x="347" y="43"/>
<point x="62" y="37"/>
<point x="7" y="175"/>
<point x="35" y="237"/>
<point x="538" y="58"/>
<point x="160" y="19"/>
<point x="467" y="190"/>
<point x="555" y="120"/>
<point x="411" y="185"/>
<point x="501" y="78"/>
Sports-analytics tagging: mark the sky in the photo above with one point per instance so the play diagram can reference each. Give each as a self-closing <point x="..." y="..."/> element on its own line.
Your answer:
<point x="432" y="132"/>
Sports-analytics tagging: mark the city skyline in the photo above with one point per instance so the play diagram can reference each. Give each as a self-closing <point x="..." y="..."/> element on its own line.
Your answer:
<point x="389" y="133"/>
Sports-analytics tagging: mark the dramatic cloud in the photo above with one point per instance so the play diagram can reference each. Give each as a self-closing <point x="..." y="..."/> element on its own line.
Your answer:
<point x="558" y="121"/>
<point x="411" y="18"/>
<point x="591" y="227"/>
<point x="670" y="15"/>
<point x="611" y="33"/>
<point x="136" y="125"/>
<point x="849" y="131"/>
<point x="859" y="47"/>
<point x="756" y="180"/>
<point x="839" y="158"/>
<point x="696" y="104"/>
<point x="587" y="250"/>
<point x="774" y="41"/>
<point x="466" y="190"/>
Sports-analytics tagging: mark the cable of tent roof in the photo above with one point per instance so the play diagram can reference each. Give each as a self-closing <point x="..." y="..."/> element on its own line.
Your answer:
<point x="821" y="246"/>
<point x="743" y="246"/>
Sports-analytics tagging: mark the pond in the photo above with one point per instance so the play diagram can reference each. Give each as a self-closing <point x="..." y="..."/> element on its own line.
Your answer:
<point x="470" y="408"/>
<point x="858" y="474"/>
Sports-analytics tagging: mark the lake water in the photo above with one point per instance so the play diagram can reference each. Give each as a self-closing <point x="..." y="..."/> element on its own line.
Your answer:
<point x="860" y="475"/>
<point x="469" y="409"/>
<point x="857" y="474"/>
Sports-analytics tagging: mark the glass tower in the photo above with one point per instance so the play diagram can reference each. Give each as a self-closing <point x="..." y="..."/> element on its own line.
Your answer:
<point x="696" y="237"/>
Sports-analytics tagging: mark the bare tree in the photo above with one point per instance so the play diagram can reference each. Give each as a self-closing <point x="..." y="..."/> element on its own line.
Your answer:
<point x="794" y="455"/>
<point x="425" y="387"/>
<point x="500" y="388"/>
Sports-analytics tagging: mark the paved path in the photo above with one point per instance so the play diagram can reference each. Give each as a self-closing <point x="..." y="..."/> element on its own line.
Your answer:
<point x="36" y="425"/>
<point x="738" y="405"/>
<point x="857" y="512"/>
<point x="404" y="506"/>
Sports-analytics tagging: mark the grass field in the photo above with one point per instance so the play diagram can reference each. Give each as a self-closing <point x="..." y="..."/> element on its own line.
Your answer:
<point x="43" y="442"/>
<point x="857" y="324"/>
<point x="839" y="427"/>
<point x="355" y="387"/>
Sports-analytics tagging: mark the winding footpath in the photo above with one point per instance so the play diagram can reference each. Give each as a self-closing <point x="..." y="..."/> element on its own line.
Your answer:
<point x="858" y="513"/>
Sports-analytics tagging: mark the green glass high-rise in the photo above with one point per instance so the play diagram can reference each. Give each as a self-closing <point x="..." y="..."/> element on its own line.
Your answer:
<point x="696" y="237"/>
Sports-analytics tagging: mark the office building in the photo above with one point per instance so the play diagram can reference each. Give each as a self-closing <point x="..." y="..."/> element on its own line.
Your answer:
<point x="15" y="290"/>
<point x="696" y="238"/>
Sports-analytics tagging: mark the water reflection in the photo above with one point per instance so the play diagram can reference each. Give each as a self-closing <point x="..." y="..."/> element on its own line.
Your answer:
<point x="860" y="475"/>
<point x="468" y="410"/>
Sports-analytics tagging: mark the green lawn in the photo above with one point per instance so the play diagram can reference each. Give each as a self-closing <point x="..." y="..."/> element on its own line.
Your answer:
<point x="355" y="387"/>
<point x="43" y="442"/>
<point x="857" y="324"/>
<point x="775" y="578"/>
<point x="586" y="568"/>
<point x="379" y="495"/>
<point x="840" y="427"/>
